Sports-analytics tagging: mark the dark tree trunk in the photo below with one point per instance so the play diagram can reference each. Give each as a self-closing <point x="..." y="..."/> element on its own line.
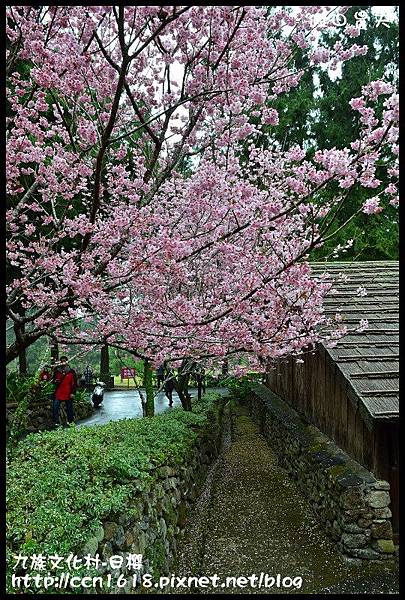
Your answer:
<point x="14" y="349"/>
<point x="148" y="384"/>
<point x="19" y="330"/>
<point x="181" y="385"/>
<point x="185" y="398"/>
<point x="105" y="365"/>
<point x="225" y="367"/>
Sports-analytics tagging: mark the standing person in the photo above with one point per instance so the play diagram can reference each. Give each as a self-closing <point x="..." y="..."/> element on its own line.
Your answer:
<point x="203" y="382"/>
<point x="88" y="376"/>
<point x="160" y="376"/>
<point x="200" y="380"/>
<point x="169" y="386"/>
<point x="66" y="384"/>
<point x="58" y="373"/>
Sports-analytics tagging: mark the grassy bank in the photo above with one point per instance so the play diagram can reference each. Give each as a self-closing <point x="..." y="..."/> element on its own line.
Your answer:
<point x="62" y="484"/>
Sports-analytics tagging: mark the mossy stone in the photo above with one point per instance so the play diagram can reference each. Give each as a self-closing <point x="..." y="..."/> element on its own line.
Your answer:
<point x="99" y="533"/>
<point x="386" y="546"/>
<point x="337" y="470"/>
<point x="90" y="546"/>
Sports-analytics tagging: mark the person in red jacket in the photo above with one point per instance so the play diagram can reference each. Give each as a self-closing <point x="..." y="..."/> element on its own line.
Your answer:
<point x="65" y="381"/>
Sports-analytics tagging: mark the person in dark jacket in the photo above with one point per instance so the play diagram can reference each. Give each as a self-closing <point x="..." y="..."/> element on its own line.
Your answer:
<point x="88" y="377"/>
<point x="199" y="374"/>
<point x="169" y="386"/>
<point x="160" y="376"/>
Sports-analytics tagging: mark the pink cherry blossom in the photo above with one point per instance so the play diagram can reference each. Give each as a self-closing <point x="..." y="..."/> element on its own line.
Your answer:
<point x="131" y="204"/>
<point x="372" y="206"/>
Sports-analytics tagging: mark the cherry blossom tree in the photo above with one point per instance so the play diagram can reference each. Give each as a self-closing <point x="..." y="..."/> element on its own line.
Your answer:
<point x="107" y="225"/>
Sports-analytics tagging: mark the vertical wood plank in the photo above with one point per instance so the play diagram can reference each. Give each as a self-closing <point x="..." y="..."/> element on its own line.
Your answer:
<point x="351" y="427"/>
<point x="298" y="384"/>
<point x="358" y="441"/>
<point x="368" y="444"/>
<point x="341" y="398"/>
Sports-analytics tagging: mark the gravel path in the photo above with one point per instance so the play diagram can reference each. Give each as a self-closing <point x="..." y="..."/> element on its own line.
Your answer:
<point x="251" y="519"/>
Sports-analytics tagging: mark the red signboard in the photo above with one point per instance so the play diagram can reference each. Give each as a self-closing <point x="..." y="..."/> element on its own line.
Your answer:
<point x="127" y="373"/>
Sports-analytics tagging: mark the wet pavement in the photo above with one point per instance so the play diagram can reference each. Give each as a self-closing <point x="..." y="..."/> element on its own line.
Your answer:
<point x="126" y="404"/>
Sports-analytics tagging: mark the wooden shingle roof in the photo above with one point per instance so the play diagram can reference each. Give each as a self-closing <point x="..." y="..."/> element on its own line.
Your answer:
<point x="369" y="360"/>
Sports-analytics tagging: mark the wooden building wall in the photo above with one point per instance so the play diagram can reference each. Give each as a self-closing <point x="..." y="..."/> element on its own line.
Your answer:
<point x="319" y="392"/>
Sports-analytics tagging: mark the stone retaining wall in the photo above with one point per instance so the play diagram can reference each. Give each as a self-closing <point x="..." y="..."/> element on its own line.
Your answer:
<point x="351" y="503"/>
<point x="156" y="516"/>
<point x="39" y="414"/>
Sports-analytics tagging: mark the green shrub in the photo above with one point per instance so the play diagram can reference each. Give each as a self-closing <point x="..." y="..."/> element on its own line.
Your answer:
<point x="24" y="390"/>
<point x="18" y="387"/>
<point x="81" y="397"/>
<point x="62" y="484"/>
<point x="240" y="386"/>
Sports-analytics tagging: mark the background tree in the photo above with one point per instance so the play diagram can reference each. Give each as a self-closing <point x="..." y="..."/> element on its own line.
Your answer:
<point x="314" y="115"/>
